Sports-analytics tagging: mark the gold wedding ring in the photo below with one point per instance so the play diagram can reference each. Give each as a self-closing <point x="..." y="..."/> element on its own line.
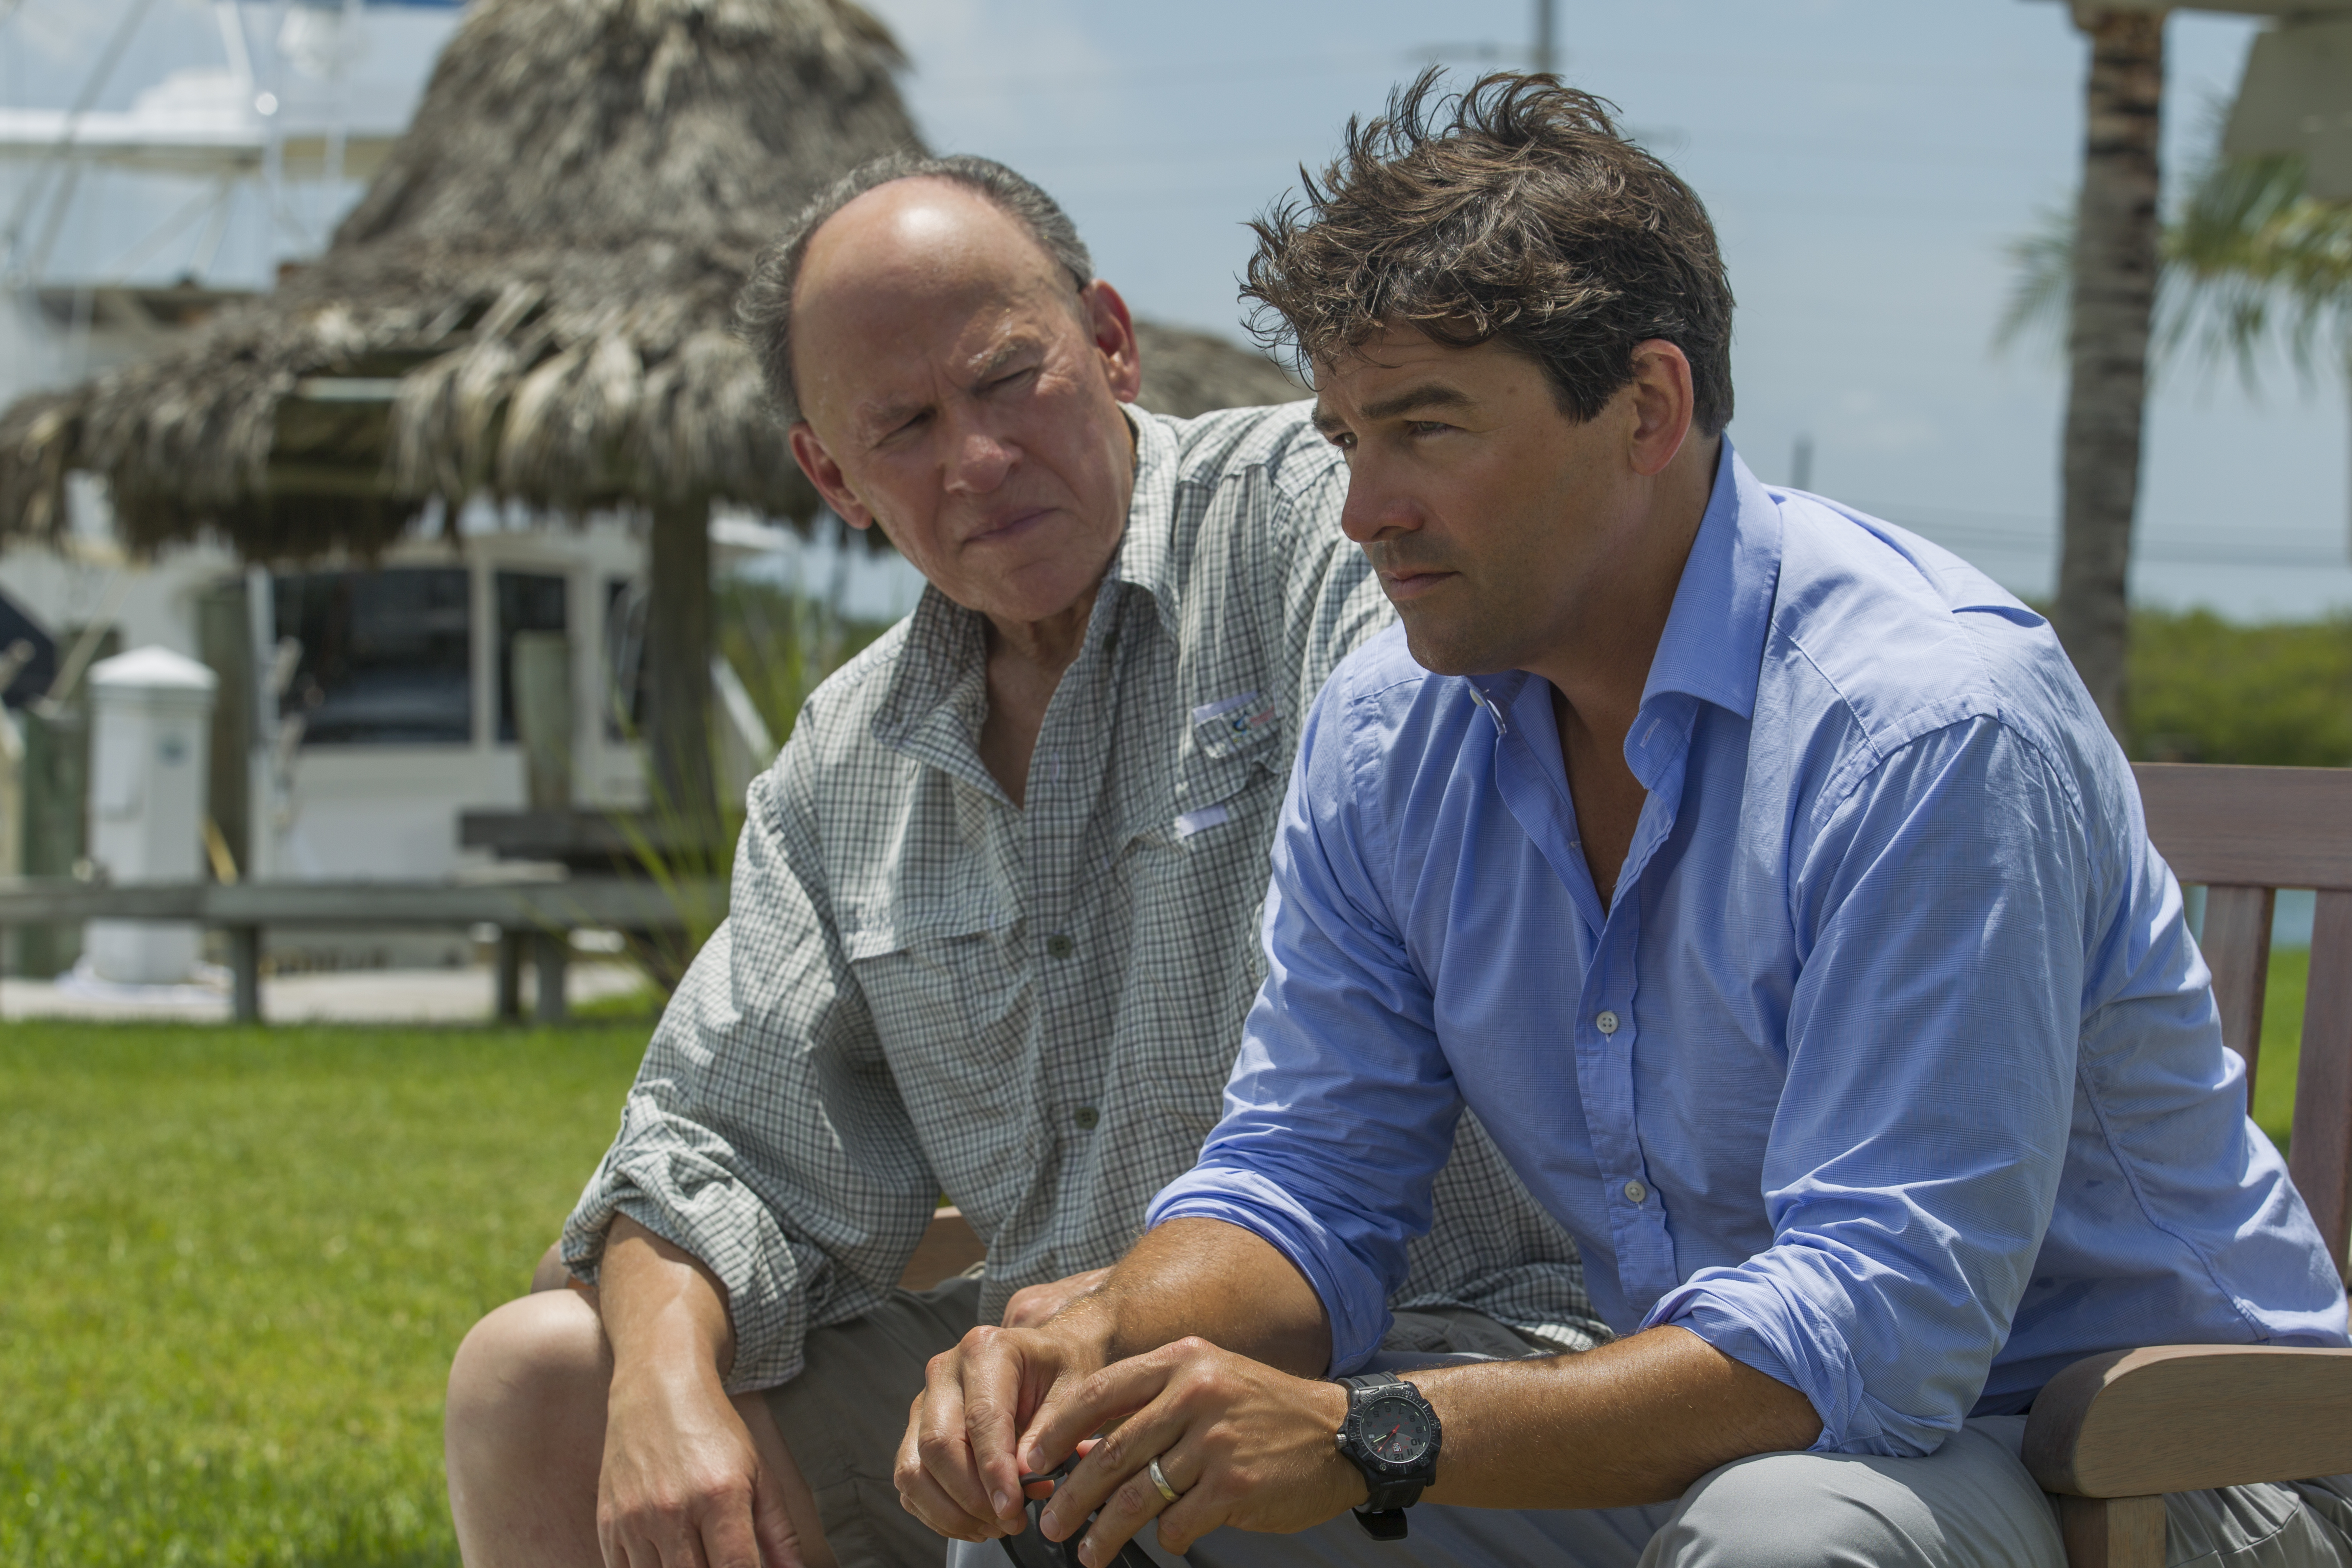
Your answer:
<point x="1160" y="1479"/>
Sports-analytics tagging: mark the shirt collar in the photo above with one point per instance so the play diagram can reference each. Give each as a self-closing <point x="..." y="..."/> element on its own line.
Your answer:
<point x="1712" y="645"/>
<point x="1144" y="549"/>
<point x="942" y="664"/>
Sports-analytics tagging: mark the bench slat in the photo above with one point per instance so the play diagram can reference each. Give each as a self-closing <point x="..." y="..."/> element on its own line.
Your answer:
<point x="2237" y="947"/>
<point x="2321" y="1147"/>
<point x="2278" y="827"/>
<point x="625" y="901"/>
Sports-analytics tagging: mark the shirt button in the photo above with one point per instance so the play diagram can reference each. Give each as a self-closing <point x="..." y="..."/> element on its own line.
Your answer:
<point x="1086" y="1116"/>
<point x="1635" y="1193"/>
<point x="1059" y="946"/>
<point x="1606" y="1022"/>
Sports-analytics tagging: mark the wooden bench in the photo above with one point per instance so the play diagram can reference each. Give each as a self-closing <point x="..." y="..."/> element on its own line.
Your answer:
<point x="949" y="1247"/>
<point x="537" y="912"/>
<point x="2112" y="1433"/>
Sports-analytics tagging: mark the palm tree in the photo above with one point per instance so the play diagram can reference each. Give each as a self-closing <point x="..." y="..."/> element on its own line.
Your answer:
<point x="2249" y="261"/>
<point x="2110" y="306"/>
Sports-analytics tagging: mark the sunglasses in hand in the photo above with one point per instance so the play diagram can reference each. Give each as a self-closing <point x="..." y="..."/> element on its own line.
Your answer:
<point x="1029" y="1549"/>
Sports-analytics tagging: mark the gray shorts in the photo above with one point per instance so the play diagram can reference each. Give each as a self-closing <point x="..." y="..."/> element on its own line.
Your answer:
<point x="1968" y="1505"/>
<point x="843" y="1417"/>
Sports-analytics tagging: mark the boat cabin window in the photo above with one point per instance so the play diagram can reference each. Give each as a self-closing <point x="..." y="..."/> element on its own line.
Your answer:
<point x="528" y="601"/>
<point x="386" y="656"/>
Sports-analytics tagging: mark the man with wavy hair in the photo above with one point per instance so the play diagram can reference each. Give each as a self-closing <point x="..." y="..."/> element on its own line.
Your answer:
<point x="1764" y="879"/>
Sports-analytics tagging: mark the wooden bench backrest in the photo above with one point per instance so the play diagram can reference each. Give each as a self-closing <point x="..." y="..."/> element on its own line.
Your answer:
<point x="2244" y="833"/>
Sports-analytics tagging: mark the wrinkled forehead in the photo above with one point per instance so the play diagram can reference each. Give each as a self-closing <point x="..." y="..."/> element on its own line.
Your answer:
<point x="923" y="281"/>
<point x="886" y="353"/>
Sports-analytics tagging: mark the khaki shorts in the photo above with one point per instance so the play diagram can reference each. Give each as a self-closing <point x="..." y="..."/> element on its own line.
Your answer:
<point x="843" y="1417"/>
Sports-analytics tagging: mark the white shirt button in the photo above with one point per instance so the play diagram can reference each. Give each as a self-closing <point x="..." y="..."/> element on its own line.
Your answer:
<point x="1605" y="1022"/>
<point x="1636" y="1193"/>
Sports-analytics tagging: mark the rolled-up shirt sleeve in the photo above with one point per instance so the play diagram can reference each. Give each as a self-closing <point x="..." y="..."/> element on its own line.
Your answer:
<point x="1938" y="904"/>
<point x="765" y="1134"/>
<point x="1341" y="1108"/>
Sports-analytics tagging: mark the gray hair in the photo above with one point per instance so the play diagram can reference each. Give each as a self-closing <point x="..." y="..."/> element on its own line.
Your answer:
<point x="764" y="311"/>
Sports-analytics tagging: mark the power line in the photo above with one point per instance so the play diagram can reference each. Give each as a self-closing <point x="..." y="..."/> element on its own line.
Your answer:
<point x="1963" y="532"/>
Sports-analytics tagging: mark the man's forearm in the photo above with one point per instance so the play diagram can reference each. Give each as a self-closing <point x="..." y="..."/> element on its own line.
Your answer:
<point x="1634" y="1422"/>
<point x="661" y="1305"/>
<point x="1210" y="1280"/>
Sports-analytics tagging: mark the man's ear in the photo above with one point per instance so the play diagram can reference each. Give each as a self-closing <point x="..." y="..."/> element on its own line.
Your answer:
<point x="1664" y="403"/>
<point x="1114" y="335"/>
<point x="827" y="476"/>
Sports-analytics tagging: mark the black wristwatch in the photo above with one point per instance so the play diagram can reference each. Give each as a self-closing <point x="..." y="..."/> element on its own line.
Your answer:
<point x="1393" y="1436"/>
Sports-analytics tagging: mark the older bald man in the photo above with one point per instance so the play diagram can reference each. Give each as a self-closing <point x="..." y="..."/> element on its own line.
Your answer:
<point x="993" y="929"/>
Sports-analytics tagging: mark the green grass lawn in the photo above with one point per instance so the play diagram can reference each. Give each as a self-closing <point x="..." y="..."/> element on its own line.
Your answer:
<point x="2281" y="1042"/>
<point x="236" y="1262"/>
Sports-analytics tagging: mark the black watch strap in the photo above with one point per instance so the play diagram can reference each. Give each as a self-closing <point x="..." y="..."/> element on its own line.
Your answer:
<point x="1383" y="1514"/>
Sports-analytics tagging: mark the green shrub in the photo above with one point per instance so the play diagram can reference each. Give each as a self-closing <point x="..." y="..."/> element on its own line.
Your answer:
<point x="2204" y="689"/>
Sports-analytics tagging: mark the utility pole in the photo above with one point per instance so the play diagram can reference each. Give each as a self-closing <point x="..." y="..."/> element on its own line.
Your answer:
<point x="1547" y="49"/>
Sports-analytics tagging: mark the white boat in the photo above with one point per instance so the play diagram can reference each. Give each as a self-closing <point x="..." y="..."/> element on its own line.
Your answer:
<point x="390" y="712"/>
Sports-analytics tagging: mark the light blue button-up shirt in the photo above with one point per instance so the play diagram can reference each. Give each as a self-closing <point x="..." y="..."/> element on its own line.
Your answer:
<point x="1893" y="1071"/>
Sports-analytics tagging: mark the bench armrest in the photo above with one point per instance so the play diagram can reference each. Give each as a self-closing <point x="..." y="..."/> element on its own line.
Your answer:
<point x="949" y="1247"/>
<point x="2177" y="1419"/>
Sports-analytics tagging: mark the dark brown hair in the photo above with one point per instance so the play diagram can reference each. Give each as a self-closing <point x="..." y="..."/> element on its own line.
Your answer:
<point x="1515" y="211"/>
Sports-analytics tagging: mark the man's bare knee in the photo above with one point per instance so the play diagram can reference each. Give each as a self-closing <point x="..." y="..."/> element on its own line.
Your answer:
<point x="525" y="1432"/>
<point x="537" y="1359"/>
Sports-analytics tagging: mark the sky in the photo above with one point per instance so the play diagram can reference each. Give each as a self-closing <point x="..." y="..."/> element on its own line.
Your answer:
<point x="1868" y="163"/>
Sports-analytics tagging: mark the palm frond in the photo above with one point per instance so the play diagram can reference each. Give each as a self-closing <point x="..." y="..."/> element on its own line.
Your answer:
<point x="2250" y="261"/>
<point x="2044" y="284"/>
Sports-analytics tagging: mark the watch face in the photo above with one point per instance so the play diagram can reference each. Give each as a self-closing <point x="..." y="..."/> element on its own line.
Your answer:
<point x="1396" y="1430"/>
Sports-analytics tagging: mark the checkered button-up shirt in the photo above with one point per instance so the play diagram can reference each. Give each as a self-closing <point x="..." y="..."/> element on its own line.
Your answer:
<point x="924" y="989"/>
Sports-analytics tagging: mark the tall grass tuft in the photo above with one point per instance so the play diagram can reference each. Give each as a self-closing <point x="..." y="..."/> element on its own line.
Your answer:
<point x="782" y="643"/>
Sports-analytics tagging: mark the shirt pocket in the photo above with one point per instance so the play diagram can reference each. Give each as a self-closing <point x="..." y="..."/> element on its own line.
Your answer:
<point x="1248" y="723"/>
<point x="1201" y="891"/>
<point x="947" y="989"/>
<point x="1232" y="748"/>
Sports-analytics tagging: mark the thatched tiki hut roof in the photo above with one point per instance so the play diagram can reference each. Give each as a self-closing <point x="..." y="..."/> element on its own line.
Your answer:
<point x="531" y="302"/>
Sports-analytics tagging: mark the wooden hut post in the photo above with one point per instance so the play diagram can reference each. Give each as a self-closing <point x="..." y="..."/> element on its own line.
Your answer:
<point x="677" y="663"/>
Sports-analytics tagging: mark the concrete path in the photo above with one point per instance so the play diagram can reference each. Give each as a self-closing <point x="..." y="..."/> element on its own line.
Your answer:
<point x="366" y="995"/>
